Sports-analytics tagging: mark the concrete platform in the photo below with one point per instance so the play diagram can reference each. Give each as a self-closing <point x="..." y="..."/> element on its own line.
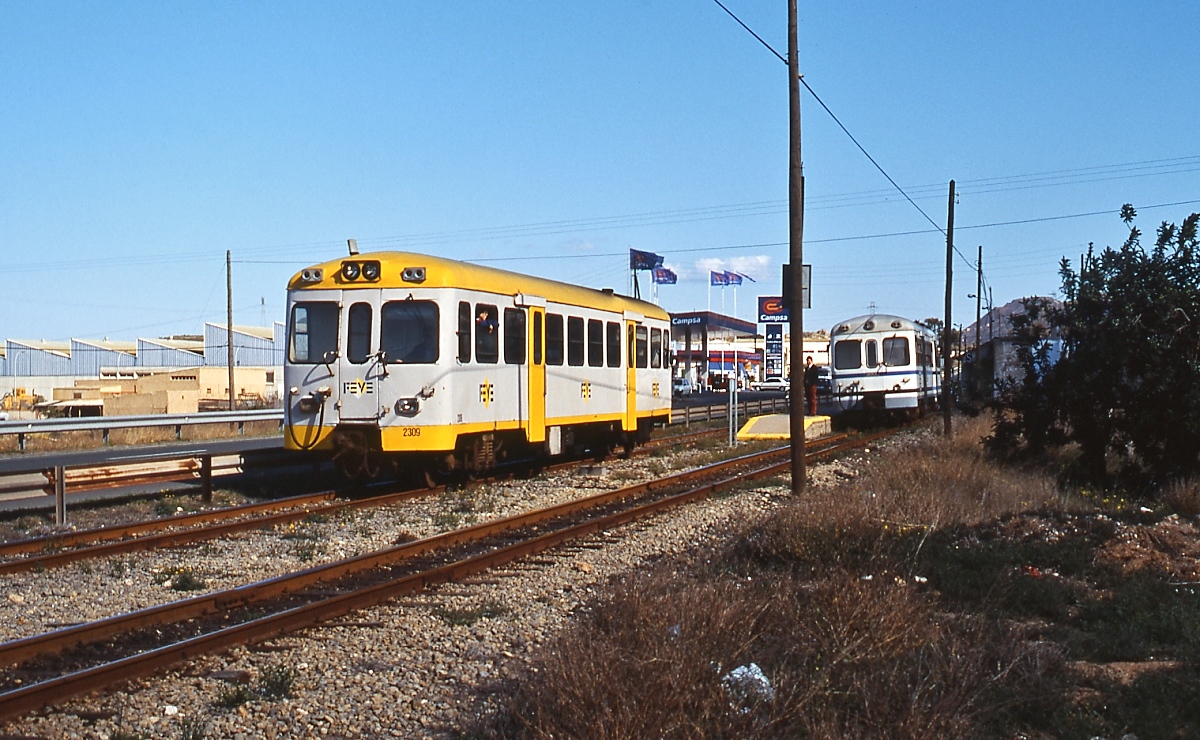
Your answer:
<point x="778" y="426"/>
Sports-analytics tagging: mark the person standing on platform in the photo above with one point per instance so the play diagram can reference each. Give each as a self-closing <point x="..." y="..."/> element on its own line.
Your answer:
<point x="811" y="375"/>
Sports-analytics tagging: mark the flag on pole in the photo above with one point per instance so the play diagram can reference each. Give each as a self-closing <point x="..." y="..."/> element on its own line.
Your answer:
<point x="747" y="277"/>
<point x="718" y="278"/>
<point x="639" y="260"/>
<point x="663" y="276"/>
<point x="733" y="278"/>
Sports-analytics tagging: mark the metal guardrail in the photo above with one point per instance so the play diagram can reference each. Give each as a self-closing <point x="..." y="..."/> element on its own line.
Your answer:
<point x="688" y="414"/>
<point x="105" y="424"/>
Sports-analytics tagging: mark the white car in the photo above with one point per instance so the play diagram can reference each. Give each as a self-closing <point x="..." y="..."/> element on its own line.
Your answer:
<point x="771" y="384"/>
<point x="681" y="387"/>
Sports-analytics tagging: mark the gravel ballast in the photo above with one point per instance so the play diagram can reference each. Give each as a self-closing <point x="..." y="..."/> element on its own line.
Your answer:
<point x="411" y="668"/>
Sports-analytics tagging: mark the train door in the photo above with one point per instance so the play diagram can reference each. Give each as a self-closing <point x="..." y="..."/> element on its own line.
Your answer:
<point x="629" y="420"/>
<point x="361" y="371"/>
<point x="537" y="374"/>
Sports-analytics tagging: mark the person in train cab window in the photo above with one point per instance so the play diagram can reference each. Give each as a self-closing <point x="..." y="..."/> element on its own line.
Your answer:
<point x="484" y="322"/>
<point x="811" y="376"/>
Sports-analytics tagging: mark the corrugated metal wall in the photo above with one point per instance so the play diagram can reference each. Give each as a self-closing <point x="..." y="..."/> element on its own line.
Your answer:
<point x="87" y="359"/>
<point x="24" y="360"/>
<point x="280" y="342"/>
<point x="153" y="354"/>
<point x="248" y="350"/>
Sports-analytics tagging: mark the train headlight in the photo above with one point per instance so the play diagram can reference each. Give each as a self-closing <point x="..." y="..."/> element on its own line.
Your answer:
<point x="413" y="275"/>
<point x="408" y="406"/>
<point x="312" y="275"/>
<point x="350" y="270"/>
<point x="312" y="402"/>
<point x="370" y="271"/>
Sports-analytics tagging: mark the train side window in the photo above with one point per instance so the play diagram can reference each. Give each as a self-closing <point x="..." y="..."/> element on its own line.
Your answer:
<point x="408" y="332"/>
<point x="358" y="333"/>
<point x="895" y="352"/>
<point x="574" y="341"/>
<point x="629" y="351"/>
<point x="514" y="336"/>
<point x="666" y="348"/>
<point x="656" y="348"/>
<point x="640" y="347"/>
<point x="487" y="334"/>
<point x="872" y="353"/>
<point x="314" y="332"/>
<point x="554" y="339"/>
<point x="595" y="342"/>
<point x="464" y="332"/>
<point x="614" y="344"/>
<point x="847" y="354"/>
<point x="537" y="337"/>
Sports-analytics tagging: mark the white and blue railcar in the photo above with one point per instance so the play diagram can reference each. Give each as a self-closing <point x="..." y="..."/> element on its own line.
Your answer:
<point x="884" y="363"/>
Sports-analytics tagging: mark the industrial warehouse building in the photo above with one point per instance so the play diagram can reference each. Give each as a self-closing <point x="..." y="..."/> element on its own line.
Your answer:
<point x="86" y="377"/>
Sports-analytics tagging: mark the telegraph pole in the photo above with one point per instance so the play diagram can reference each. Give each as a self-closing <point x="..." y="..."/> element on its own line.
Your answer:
<point x="948" y="326"/>
<point x="229" y="326"/>
<point x="796" y="256"/>
<point x="978" y="297"/>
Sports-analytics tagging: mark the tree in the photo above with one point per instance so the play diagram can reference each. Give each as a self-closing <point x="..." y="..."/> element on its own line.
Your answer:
<point x="938" y="327"/>
<point x="1127" y="387"/>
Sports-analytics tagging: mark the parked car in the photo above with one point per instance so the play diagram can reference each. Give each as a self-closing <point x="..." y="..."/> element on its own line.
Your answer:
<point x="771" y="384"/>
<point x="824" y="380"/>
<point x="720" y="383"/>
<point x="682" y="387"/>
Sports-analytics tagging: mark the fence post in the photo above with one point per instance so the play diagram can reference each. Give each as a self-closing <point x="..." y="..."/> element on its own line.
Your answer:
<point x="206" y="479"/>
<point x="60" y="495"/>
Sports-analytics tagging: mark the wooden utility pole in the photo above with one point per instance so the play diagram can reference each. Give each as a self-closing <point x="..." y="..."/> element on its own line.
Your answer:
<point x="978" y="298"/>
<point x="796" y="256"/>
<point x="229" y="323"/>
<point x="948" y="327"/>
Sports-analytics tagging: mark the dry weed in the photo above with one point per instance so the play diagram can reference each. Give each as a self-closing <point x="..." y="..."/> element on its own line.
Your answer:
<point x="843" y="657"/>
<point x="1183" y="497"/>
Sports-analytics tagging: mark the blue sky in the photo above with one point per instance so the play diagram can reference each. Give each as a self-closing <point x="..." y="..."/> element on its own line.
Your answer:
<point x="140" y="141"/>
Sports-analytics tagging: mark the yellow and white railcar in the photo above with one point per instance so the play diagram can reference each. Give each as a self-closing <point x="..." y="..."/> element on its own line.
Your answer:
<point x="456" y="366"/>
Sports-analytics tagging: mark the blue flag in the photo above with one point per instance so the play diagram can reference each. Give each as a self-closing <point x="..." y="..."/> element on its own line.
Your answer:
<point x="663" y="276"/>
<point x="732" y="278"/>
<point x="718" y="278"/>
<point x="639" y="260"/>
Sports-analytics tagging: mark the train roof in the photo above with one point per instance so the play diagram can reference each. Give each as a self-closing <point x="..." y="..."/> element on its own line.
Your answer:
<point x="878" y="322"/>
<point x="446" y="273"/>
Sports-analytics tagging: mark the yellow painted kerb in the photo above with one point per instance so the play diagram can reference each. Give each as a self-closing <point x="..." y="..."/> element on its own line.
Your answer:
<point x="776" y="426"/>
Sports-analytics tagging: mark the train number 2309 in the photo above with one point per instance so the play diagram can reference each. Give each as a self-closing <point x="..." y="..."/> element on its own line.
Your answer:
<point x="411" y="432"/>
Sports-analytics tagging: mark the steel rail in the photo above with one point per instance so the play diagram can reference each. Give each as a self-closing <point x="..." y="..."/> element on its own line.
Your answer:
<point x="167" y="536"/>
<point x="23" y="649"/>
<point x="26" y="698"/>
<point x="120" y="531"/>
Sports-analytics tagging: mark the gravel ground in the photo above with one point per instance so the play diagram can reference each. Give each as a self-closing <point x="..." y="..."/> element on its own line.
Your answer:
<point x="407" y="669"/>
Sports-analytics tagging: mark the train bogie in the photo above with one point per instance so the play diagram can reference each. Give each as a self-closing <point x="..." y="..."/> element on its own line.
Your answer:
<point x="399" y="358"/>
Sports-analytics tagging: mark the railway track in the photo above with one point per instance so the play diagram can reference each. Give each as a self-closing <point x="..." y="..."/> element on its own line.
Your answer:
<point x="217" y="621"/>
<point x="50" y="551"/>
